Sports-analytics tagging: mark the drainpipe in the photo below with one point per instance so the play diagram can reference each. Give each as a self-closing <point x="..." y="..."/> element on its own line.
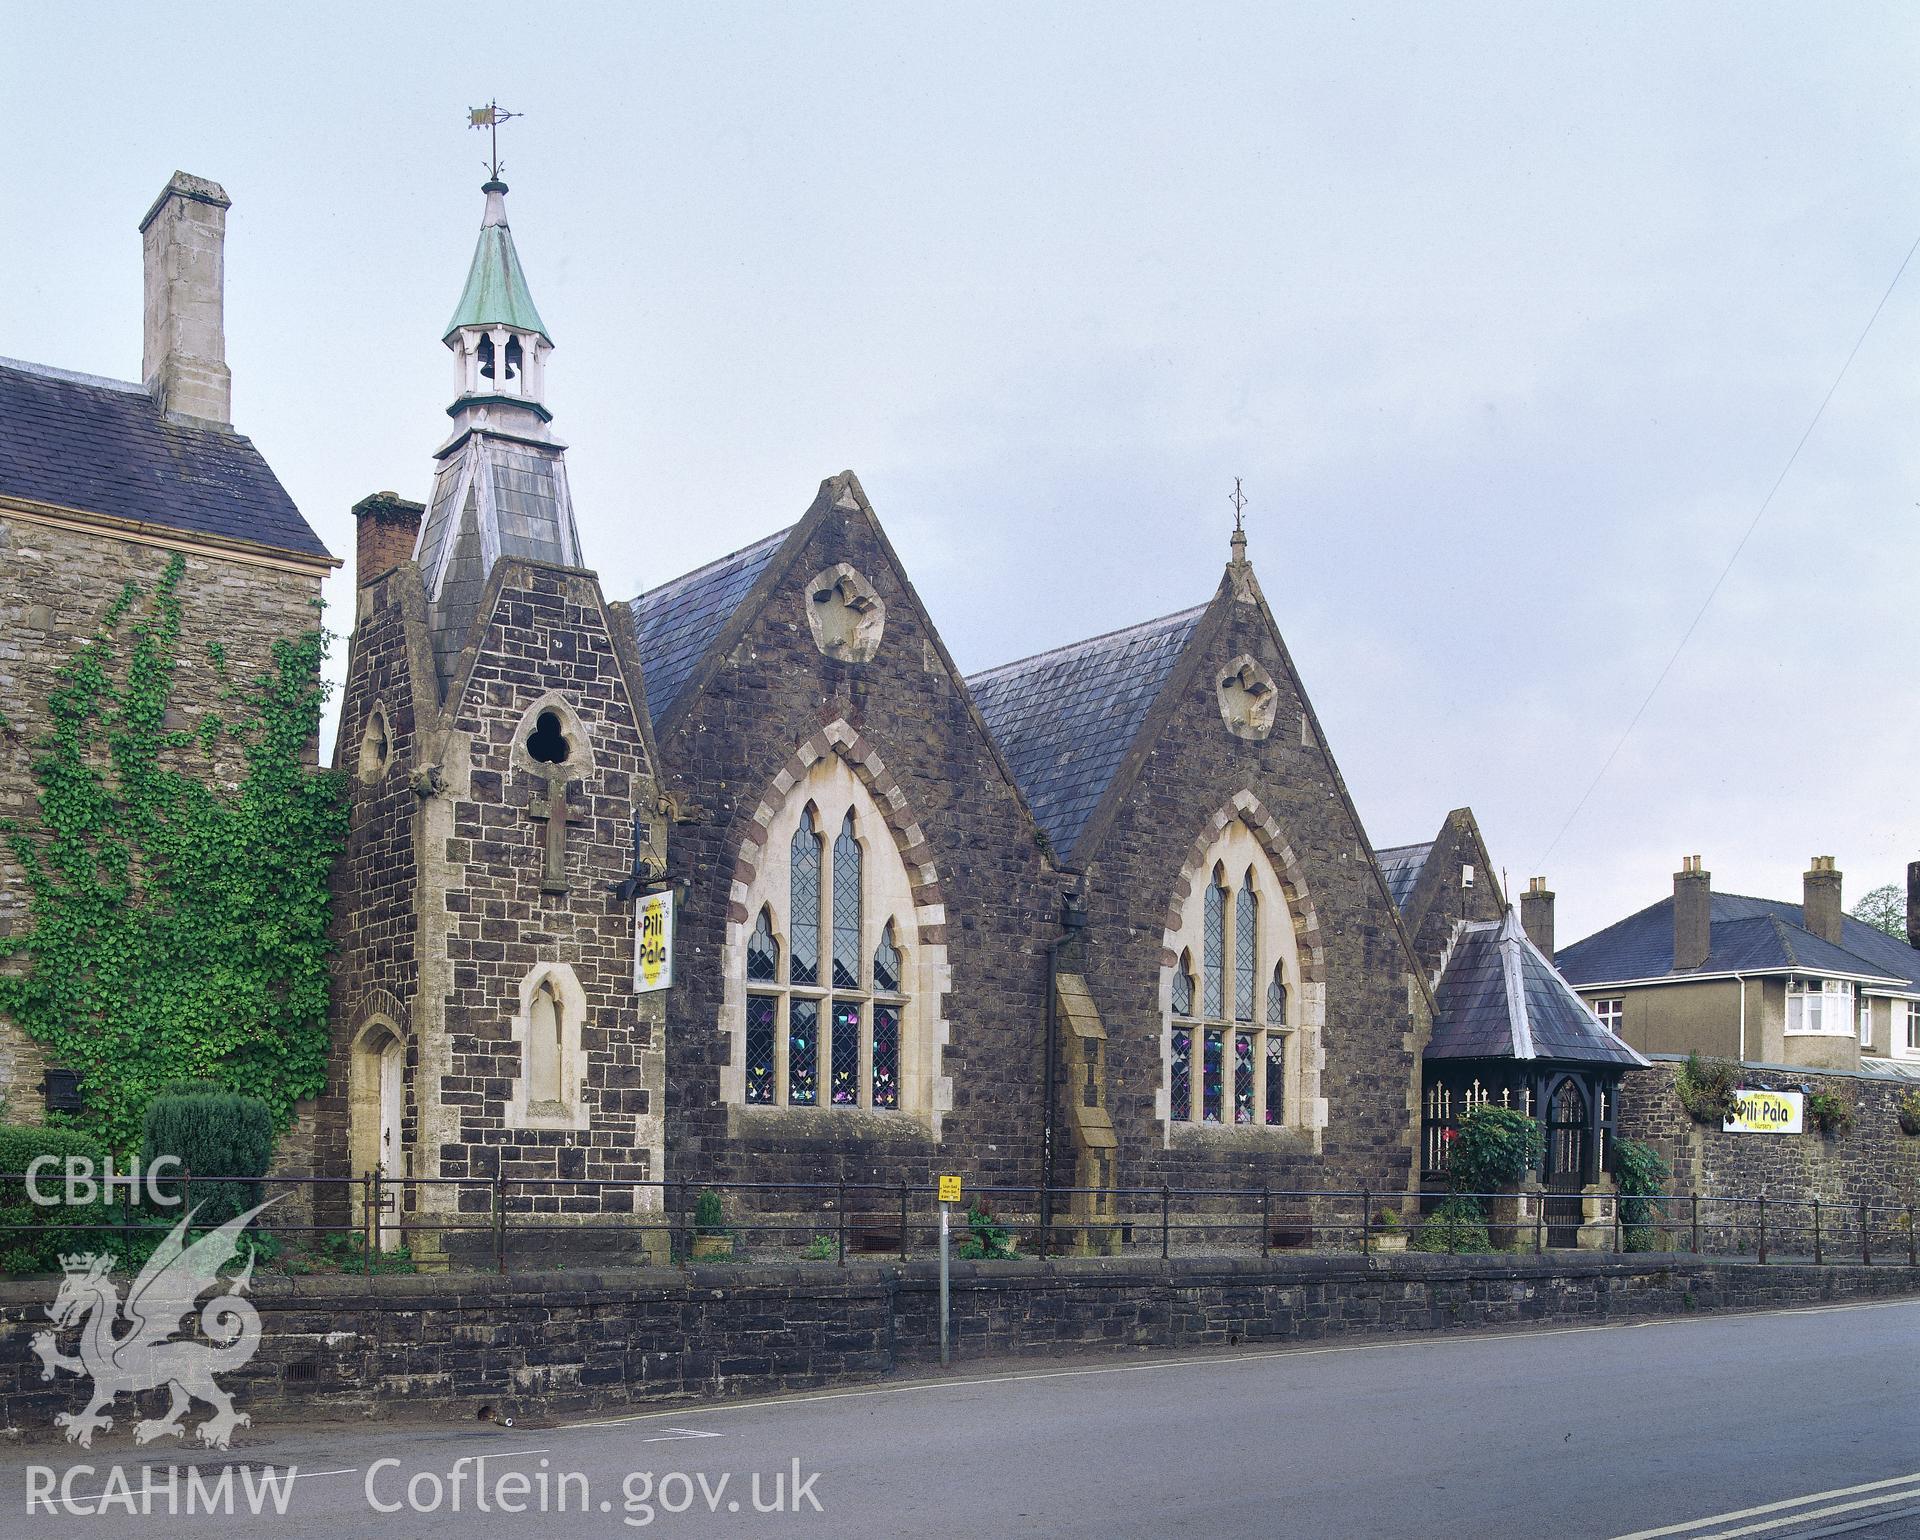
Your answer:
<point x="1073" y="919"/>
<point x="1741" y="980"/>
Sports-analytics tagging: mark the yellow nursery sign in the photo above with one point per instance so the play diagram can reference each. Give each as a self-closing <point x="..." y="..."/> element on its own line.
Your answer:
<point x="1766" y="1112"/>
<point x="653" y="943"/>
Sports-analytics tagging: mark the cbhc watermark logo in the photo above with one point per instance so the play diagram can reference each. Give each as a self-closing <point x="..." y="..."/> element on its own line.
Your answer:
<point x="81" y="1182"/>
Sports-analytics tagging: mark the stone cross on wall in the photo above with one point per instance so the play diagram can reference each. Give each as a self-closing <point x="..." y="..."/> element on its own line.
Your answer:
<point x="552" y="809"/>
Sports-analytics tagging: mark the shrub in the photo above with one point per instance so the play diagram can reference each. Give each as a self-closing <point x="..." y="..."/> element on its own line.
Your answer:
<point x="822" y="1248"/>
<point x="1495" y="1149"/>
<point x="1906" y="1108"/>
<point x="31" y="1239"/>
<point x="709" y="1217"/>
<point x="1456" y="1225"/>
<point x="1831" y="1112"/>
<point x="1386" y="1218"/>
<point x="213" y="1133"/>
<point x="1641" y="1177"/>
<point x="987" y="1239"/>
<point x="1706" y="1088"/>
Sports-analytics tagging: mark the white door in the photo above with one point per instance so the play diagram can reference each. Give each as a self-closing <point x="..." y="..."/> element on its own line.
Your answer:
<point x="393" y="1065"/>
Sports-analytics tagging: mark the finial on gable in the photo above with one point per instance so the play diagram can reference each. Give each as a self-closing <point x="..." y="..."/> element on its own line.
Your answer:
<point x="1239" y="501"/>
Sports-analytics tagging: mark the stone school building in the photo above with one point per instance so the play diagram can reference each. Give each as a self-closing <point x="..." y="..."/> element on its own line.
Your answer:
<point x="1103" y="917"/>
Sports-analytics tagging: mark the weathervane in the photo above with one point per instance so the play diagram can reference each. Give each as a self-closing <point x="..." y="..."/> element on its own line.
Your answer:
<point x="1239" y="501"/>
<point x="490" y="117"/>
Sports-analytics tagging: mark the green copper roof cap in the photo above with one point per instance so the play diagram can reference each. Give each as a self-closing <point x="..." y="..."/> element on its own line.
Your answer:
<point x="496" y="293"/>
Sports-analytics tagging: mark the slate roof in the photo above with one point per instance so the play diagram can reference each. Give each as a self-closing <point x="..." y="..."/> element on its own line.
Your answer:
<point x="1499" y="998"/>
<point x="105" y="447"/>
<point x="1401" y="865"/>
<point x="1750" y="935"/>
<point x="1065" y="719"/>
<point x="676" y="622"/>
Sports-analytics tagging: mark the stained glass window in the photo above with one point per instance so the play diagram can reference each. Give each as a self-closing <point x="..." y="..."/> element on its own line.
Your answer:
<point x="886" y="961"/>
<point x="1212" y="1077"/>
<point x="844" y="1087"/>
<point x="804" y="886"/>
<point x="763" y="952"/>
<point x="1243" y="1077"/>
<point x="1246" y="946"/>
<point x="886" y="1056"/>
<point x="1276" y="1077"/>
<point x="803" y="1053"/>
<point x="1183" y="986"/>
<point x="762" y="1010"/>
<point x="1276" y="1000"/>
<point x="1213" y="968"/>
<point x="846" y="907"/>
<point x="1181" y="1081"/>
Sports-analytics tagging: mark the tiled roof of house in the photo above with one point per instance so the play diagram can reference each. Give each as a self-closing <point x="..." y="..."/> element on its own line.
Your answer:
<point x="1499" y="998"/>
<point x="1065" y="719"/>
<point x="1747" y="935"/>
<point x="105" y="447"/>
<point x="1401" y="865"/>
<point x="675" y="623"/>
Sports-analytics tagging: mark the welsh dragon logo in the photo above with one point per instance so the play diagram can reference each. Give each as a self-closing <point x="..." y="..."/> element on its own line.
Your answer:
<point x="142" y="1356"/>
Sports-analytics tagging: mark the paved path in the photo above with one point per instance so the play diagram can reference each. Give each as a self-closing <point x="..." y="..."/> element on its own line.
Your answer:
<point x="1787" y="1423"/>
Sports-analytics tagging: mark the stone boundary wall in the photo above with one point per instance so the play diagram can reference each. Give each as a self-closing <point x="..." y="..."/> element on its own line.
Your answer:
<point x="1875" y="1161"/>
<point x="444" y="1346"/>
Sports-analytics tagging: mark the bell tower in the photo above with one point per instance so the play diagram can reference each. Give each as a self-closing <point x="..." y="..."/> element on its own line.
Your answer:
<point x="501" y="485"/>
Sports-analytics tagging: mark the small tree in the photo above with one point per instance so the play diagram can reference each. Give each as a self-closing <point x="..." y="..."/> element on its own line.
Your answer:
<point x="1885" y="908"/>
<point x="213" y="1134"/>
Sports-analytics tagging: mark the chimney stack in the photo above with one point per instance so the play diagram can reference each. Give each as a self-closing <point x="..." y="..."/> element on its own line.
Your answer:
<point x="1913" y="903"/>
<point x="386" y="526"/>
<point x="1692" y="914"/>
<point x="184" y="360"/>
<point x="1536" y="915"/>
<point x="1820" y="900"/>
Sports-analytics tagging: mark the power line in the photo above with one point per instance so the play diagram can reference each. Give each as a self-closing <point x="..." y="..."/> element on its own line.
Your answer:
<point x="1754" y="524"/>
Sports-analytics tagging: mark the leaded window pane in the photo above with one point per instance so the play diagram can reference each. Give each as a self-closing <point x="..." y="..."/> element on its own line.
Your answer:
<point x="1276" y="1078"/>
<point x="1246" y="912"/>
<point x="886" y="1056"/>
<point x="1213" y="1077"/>
<point x="762" y="1012"/>
<point x="1243" y="1077"/>
<point x="844" y="1086"/>
<point x="1182" y="988"/>
<point x="1276" y="1001"/>
<point x="1213" y="968"/>
<point x="1180" y="1083"/>
<point x="804" y="887"/>
<point x="763" y="953"/>
<point x="886" y="961"/>
<point x="803" y="1053"/>
<point x="846" y="908"/>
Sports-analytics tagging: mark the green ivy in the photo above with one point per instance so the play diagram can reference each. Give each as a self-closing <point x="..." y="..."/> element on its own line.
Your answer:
<point x="178" y="922"/>
<point x="1641" y="1176"/>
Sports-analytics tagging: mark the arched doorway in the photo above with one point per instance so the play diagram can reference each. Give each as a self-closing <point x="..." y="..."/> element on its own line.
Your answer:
<point x="377" y="1124"/>
<point x="1567" y="1159"/>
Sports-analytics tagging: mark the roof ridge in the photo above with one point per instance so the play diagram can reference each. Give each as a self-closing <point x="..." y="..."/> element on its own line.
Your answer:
<point x="717" y="562"/>
<point x="1390" y="850"/>
<point x="72" y="376"/>
<point x="1106" y="636"/>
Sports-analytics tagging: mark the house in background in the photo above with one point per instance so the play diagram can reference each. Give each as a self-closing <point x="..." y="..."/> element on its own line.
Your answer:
<point x="1756" y="979"/>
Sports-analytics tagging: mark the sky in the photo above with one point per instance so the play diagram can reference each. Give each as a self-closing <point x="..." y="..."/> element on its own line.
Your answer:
<point x="1509" y="317"/>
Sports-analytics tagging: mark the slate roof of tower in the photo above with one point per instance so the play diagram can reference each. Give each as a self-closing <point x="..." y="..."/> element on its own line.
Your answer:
<point x="105" y="447"/>
<point x="675" y="623"/>
<point x="1499" y="998"/>
<point x="1065" y="719"/>
<point x="1746" y="935"/>
<point x="1401" y="865"/>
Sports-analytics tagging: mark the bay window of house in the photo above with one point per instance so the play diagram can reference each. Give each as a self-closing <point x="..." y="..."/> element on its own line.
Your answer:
<point x="1906" y="1027"/>
<point x="1819" y="1006"/>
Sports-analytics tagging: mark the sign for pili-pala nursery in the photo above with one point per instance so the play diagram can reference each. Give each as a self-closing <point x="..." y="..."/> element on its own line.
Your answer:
<point x="1765" y="1112"/>
<point x="653" y="943"/>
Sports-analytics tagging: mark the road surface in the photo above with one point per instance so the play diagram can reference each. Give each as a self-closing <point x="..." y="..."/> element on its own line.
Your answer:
<point x="1775" y="1424"/>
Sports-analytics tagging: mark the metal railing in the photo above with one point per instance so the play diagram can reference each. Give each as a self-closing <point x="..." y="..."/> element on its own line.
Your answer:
<point x="513" y="1224"/>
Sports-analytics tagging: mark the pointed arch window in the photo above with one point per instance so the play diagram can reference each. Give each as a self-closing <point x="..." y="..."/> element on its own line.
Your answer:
<point x="829" y="1028"/>
<point x="1229" y="1040"/>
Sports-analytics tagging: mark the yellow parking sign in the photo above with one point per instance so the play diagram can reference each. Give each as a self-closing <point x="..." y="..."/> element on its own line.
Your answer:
<point x="949" y="1189"/>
